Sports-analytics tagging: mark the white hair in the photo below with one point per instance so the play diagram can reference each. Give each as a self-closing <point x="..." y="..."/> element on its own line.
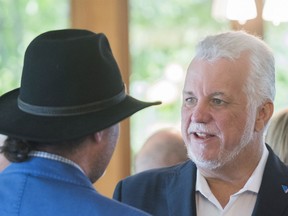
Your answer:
<point x="260" y="85"/>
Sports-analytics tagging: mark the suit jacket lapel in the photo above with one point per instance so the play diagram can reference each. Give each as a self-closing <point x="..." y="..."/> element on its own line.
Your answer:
<point x="271" y="199"/>
<point x="181" y="190"/>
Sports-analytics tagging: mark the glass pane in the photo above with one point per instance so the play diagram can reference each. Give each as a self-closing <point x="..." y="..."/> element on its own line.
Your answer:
<point x="20" y="22"/>
<point x="162" y="42"/>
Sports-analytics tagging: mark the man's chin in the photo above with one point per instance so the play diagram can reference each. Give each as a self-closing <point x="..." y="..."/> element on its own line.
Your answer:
<point x="207" y="164"/>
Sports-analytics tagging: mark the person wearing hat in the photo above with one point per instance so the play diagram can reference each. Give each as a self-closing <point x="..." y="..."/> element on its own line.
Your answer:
<point x="62" y="126"/>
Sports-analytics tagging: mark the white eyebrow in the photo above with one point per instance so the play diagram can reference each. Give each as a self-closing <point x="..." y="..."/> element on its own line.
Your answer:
<point x="217" y="94"/>
<point x="188" y="92"/>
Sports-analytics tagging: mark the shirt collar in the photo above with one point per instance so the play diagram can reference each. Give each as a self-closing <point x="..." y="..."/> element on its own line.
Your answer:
<point x="54" y="157"/>
<point x="254" y="182"/>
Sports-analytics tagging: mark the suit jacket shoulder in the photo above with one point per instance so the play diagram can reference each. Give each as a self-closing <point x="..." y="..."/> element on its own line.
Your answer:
<point x="165" y="191"/>
<point x="272" y="198"/>
<point x="42" y="187"/>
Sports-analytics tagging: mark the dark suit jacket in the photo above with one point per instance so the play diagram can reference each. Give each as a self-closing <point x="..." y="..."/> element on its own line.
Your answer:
<point x="171" y="191"/>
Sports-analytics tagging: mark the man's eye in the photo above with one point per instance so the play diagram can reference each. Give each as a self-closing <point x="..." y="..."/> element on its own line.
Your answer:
<point x="191" y="100"/>
<point x="217" y="101"/>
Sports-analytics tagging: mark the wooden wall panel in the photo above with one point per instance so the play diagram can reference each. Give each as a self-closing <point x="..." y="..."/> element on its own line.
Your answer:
<point x="111" y="18"/>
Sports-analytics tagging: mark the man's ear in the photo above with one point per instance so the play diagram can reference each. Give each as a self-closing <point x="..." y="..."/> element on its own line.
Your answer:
<point x="264" y="113"/>
<point x="98" y="136"/>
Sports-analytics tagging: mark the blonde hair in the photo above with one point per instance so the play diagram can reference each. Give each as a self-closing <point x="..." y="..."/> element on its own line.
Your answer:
<point x="277" y="135"/>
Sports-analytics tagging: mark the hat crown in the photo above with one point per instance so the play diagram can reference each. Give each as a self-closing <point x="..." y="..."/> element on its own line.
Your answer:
<point x="71" y="87"/>
<point x="70" y="67"/>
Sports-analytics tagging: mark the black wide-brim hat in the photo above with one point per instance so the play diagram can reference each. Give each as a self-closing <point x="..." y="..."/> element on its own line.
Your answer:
<point x="71" y="87"/>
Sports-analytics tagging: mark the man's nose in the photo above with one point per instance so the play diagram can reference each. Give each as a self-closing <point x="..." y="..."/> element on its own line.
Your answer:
<point x="201" y="113"/>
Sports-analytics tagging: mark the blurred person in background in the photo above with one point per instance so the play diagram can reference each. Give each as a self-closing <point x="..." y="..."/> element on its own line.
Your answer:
<point x="162" y="149"/>
<point x="277" y="135"/>
<point x="3" y="160"/>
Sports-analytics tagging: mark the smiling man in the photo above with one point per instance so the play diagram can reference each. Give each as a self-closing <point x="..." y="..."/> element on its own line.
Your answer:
<point x="227" y="103"/>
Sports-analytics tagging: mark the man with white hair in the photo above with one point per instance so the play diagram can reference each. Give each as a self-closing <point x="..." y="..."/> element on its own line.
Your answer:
<point x="227" y="103"/>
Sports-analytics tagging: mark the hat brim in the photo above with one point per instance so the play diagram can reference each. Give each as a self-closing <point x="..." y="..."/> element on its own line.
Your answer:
<point x="16" y="123"/>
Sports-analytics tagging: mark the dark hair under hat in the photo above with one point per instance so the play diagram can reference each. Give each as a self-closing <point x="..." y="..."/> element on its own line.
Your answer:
<point x="71" y="86"/>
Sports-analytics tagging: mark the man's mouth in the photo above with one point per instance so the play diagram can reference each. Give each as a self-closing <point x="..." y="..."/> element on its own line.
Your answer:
<point x="202" y="135"/>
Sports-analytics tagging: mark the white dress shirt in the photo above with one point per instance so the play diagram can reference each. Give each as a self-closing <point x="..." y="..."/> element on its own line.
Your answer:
<point x="240" y="203"/>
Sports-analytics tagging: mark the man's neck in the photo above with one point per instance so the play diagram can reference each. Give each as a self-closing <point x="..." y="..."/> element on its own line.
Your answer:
<point x="229" y="179"/>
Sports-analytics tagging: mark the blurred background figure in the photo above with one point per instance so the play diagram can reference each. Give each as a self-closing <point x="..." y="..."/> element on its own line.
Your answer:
<point x="3" y="161"/>
<point x="277" y="135"/>
<point x="162" y="149"/>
